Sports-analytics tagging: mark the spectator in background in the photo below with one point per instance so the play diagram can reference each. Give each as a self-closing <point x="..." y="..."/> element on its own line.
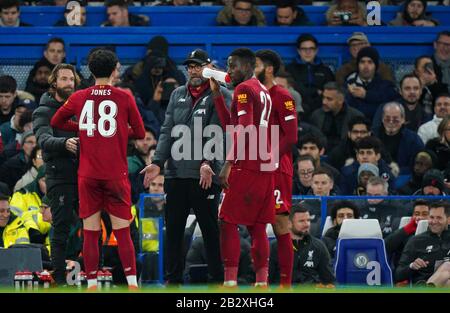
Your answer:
<point x="289" y="14"/>
<point x="312" y="264"/>
<point x="346" y="13"/>
<point x="12" y="131"/>
<point x="241" y="13"/>
<point x="37" y="82"/>
<point x="36" y="162"/>
<point x="413" y="13"/>
<point x="441" y="58"/>
<point x="322" y="185"/>
<point x="177" y="3"/>
<point x="368" y="150"/>
<point x="340" y="211"/>
<point x="309" y="73"/>
<point x="365" y="172"/>
<point x="284" y="79"/>
<point x="158" y="104"/>
<point x="432" y="184"/>
<point x="304" y="170"/>
<point x="14" y="168"/>
<point x="441" y="144"/>
<point x="334" y="115"/>
<point x="401" y="143"/>
<point x="421" y="254"/>
<point x="423" y="68"/>
<point x="396" y="241"/>
<point x="8" y="98"/>
<point x="118" y="15"/>
<point x="423" y="161"/>
<point x="12" y="227"/>
<point x="10" y="14"/>
<point x="73" y="19"/>
<point x="410" y="91"/>
<point x="384" y="210"/>
<point x="345" y="152"/>
<point x="309" y="144"/>
<point x="366" y="89"/>
<point x="428" y="130"/>
<point x="356" y="42"/>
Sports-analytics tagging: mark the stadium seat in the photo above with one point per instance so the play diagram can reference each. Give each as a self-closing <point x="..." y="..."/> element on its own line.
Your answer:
<point x="328" y="224"/>
<point x="422" y="227"/>
<point x="361" y="254"/>
<point x="404" y="220"/>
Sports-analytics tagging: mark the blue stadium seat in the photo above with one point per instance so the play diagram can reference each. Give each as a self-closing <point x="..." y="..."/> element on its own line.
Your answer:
<point x="361" y="254"/>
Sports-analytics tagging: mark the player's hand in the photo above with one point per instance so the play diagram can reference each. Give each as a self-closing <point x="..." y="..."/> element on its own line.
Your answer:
<point x="206" y="174"/>
<point x="72" y="145"/>
<point x="157" y="94"/>
<point x="151" y="171"/>
<point x="418" y="264"/>
<point x="214" y="85"/>
<point x="224" y="174"/>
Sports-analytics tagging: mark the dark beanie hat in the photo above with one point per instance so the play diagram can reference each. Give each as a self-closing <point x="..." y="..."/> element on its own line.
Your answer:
<point x="369" y="52"/>
<point x="433" y="178"/>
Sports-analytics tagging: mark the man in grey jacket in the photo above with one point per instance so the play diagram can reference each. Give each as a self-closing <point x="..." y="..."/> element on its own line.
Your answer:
<point x="190" y="181"/>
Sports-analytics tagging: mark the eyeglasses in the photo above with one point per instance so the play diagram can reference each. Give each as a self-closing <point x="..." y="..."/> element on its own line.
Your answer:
<point x="30" y="142"/>
<point x="393" y="120"/>
<point x="308" y="49"/>
<point x="447" y="45"/>
<point x="306" y="172"/>
<point x="5" y="210"/>
<point x="359" y="132"/>
<point x="244" y="10"/>
<point x="194" y="67"/>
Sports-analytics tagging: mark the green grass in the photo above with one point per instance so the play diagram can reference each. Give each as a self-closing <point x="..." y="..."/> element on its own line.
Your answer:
<point x="244" y="289"/>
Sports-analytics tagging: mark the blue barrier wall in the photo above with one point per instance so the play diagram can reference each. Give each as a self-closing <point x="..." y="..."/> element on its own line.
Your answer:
<point x="199" y="15"/>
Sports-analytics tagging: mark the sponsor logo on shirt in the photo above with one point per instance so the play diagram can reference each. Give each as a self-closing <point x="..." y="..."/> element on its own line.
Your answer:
<point x="242" y="98"/>
<point x="289" y="105"/>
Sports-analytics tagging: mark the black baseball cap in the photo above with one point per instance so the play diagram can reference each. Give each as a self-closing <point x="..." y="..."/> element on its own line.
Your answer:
<point x="197" y="56"/>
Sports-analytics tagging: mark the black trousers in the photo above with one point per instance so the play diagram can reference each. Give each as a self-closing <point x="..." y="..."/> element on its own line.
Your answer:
<point x="182" y="195"/>
<point x="64" y="207"/>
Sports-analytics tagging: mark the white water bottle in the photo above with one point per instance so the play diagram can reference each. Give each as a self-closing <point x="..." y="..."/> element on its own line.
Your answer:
<point x="217" y="75"/>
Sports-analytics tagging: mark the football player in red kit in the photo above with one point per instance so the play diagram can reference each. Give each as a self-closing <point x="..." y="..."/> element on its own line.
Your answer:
<point x="104" y="114"/>
<point x="248" y="195"/>
<point x="268" y="63"/>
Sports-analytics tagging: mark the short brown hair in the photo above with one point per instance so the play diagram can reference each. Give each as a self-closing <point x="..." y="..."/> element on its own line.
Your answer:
<point x="54" y="76"/>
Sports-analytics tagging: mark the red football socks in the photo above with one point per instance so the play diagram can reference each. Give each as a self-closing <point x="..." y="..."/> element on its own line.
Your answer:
<point x="285" y="259"/>
<point x="230" y="248"/>
<point x="91" y="252"/>
<point x="260" y="251"/>
<point x="126" y="250"/>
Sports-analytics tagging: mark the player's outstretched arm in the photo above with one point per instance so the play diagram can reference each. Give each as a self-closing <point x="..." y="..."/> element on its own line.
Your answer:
<point x="62" y="119"/>
<point x="219" y="103"/>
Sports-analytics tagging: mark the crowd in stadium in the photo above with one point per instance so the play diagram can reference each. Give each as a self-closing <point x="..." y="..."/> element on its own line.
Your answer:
<point x="361" y="132"/>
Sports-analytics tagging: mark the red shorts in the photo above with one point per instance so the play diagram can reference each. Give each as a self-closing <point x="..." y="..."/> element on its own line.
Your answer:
<point x="114" y="196"/>
<point x="249" y="199"/>
<point x="283" y="193"/>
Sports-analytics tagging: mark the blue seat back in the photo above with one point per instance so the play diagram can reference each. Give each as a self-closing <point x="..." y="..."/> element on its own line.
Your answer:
<point x="362" y="262"/>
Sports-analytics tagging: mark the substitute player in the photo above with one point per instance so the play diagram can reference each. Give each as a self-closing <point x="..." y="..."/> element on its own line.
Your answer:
<point x="268" y="63"/>
<point x="104" y="114"/>
<point x="248" y="195"/>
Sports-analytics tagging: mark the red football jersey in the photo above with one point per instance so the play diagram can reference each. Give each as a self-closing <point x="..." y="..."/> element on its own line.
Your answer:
<point x="285" y="116"/>
<point x="103" y="113"/>
<point x="251" y="106"/>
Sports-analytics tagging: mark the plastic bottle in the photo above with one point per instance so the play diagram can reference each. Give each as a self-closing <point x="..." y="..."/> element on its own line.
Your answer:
<point x="45" y="279"/>
<point x="18" y="281"/>
<point x="217" y="75"/>
<point x="100" y="280"/>
<point x="82" y="281"/>
<point x="28" y="279"/>
<point x="107" y="279"/>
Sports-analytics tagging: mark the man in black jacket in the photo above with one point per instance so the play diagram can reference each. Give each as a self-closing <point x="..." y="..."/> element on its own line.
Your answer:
<point x="311" y="258"/>
<point x="309" y="73"/>
<point x="191" y="106"/>
<point x="423" y="254"/>
<point x="60" y="154"/>
<point x="397" y="240"/>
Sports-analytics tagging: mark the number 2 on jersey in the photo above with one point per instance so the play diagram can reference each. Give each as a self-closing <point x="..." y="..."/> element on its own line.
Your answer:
<point x="107" y="110"/>
<point x="265" y="114"/>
